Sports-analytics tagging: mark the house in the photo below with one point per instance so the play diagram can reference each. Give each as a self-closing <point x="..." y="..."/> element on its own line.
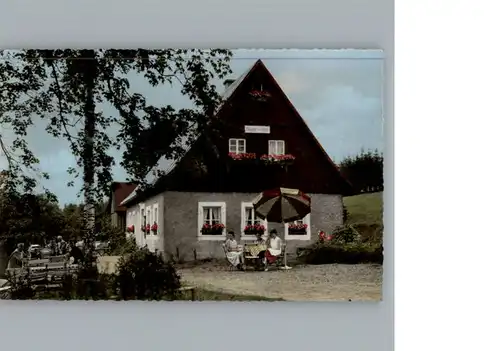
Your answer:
<point x="119" y="191"/>
<point x="228" y="166"/>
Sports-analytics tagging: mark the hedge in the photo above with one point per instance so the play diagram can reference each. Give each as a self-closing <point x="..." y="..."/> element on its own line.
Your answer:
<point x="353" y="253"/>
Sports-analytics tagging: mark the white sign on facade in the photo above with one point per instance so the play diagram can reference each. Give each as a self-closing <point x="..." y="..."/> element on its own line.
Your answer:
<point x="258" y="129"/>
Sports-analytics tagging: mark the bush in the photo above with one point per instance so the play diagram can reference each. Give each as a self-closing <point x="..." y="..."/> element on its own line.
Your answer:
<point x="121" y="247"/>
<point x="144" y="275"/>
<point x="352" y="253"/>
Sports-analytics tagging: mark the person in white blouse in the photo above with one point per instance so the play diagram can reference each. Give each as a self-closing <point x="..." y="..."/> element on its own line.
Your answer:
<point x="273" y="248"/>
<point x="234" y="253"/>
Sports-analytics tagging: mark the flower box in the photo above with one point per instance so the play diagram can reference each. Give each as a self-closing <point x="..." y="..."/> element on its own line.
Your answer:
<point x="212" y="229"/>
<point x="297" y="229"/>
<point x="282" y="160"/>
<point x="154" y="228"/>
<point x="260" y="95"/>
<point x="254" y="229"/>
<point x="242" y="157"/>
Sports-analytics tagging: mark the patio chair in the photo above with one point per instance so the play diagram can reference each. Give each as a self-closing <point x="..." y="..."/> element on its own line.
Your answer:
<point x="231" y="267"/>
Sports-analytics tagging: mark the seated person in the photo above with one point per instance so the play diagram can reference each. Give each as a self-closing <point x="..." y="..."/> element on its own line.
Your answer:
<point x="261" y="242"/>
<point x="233" y="252"/>
<point x="16" y="257"/>
<point x="273" y="249"/>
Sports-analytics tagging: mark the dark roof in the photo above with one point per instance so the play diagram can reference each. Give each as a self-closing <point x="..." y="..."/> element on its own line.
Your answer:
<point x="119" y="191"/>
<point x="345" y="188"/>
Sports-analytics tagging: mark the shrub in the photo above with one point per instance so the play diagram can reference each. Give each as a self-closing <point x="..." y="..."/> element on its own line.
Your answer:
<point x="121" y="247"/>
<point x="146" y="276"/>
<point x="352" y="253"/>
<point x="345" y="214"/>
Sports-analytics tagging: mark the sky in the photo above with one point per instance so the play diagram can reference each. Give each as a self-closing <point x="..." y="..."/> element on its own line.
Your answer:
<point x="338" y="93"/>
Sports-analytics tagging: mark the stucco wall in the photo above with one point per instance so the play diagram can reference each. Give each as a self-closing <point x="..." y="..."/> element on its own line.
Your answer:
<point x="152" y="241"/>
<point x="180" y="234"/>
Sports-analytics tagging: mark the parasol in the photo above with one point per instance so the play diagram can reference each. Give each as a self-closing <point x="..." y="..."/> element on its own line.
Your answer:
<point x="282" y="205"/>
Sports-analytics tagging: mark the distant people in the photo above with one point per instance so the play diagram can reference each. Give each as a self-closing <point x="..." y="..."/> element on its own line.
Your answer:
<point x="52" y="246"/>
<point x="16" y="257"/>
<point x="233" y="253"/>
<point x="61" y="247"/>
<point x="273" y="249"/>
<point x="75" y="253"/>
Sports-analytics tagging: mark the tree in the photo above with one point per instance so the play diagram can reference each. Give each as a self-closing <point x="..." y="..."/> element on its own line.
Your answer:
<point x="64" y="87"/>
<point x="364" y="171"/>
<point x="28" y="218"/>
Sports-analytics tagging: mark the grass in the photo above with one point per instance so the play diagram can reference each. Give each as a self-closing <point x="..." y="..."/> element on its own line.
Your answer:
<point x="365" y="208"/>
<point x="366" y="215"/>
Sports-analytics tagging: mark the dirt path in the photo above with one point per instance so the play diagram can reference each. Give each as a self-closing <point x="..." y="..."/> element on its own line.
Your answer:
<point x="306" y="283"/>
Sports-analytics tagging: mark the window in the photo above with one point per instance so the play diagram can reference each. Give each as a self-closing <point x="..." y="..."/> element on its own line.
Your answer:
<point x="209" y="215"/>
<point x="276" y="147"/>
<point x="237" y="146"/>
<point x="248" y="217"/>
<point x="306" y="235"/>
<point x="155" y="218"/>
<point x="143" y="217"/>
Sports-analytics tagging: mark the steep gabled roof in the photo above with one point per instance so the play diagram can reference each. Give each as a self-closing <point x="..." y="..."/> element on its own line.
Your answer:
<point x="119" y="192"/>
<point x="306" y="127"/>
<point x="168" y="165"/>
<point x="227" y="96"/>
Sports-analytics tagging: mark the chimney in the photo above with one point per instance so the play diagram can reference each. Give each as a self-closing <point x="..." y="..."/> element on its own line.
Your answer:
<point x="228" y="82"/>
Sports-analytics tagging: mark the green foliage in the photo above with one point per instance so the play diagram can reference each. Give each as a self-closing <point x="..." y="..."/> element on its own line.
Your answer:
<point x="352" y="253"/>
<point x="28" y="218"/>
<point x="346" y="235"/>
<point x="345" y="214"/>
<point x="144" y="275"/>
<point x="67" y="88"/>
<point x="364" y="171"/>
<point x="64" y="87"/>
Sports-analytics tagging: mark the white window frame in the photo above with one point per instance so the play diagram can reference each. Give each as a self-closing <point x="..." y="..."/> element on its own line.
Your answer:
<point x="244" y="206"/>
<point x="237" y="146"/>
<point x="142" y="207"/>
<point x="201" y="220"/>
<point x="306" y="236"/>
<point x="156" y="209"/>
<point x="276" y="142"/>
<point x="148" y="218"/>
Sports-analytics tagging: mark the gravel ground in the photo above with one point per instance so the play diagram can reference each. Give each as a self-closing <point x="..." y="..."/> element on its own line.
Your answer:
<point x="332" y="282"/>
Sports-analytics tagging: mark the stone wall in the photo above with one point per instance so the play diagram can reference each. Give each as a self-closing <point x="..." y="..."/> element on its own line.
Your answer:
<point x="180" y="234"/>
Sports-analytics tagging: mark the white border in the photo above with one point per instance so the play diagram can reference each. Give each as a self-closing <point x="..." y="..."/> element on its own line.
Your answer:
<point x="245" y="237"/>
<point x="335" y="24"/>
<point x="220" y="204"/>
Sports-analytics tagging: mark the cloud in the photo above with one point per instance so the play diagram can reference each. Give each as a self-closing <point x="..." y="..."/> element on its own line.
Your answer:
<point x="338" y="93"/>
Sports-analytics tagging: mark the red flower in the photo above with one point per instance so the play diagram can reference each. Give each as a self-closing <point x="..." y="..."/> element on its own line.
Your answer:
<point x="148" y="228"/>
<point x="154" y="227"/>
<point x="242" y="156"/>
<point x="329" y="237"/>
<point x="215" y="228"/>
<point x="277" y="158"/>
<point x="259" y="94"/>
<point x="255" y="229"/>
<point x="300" y="226"/>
